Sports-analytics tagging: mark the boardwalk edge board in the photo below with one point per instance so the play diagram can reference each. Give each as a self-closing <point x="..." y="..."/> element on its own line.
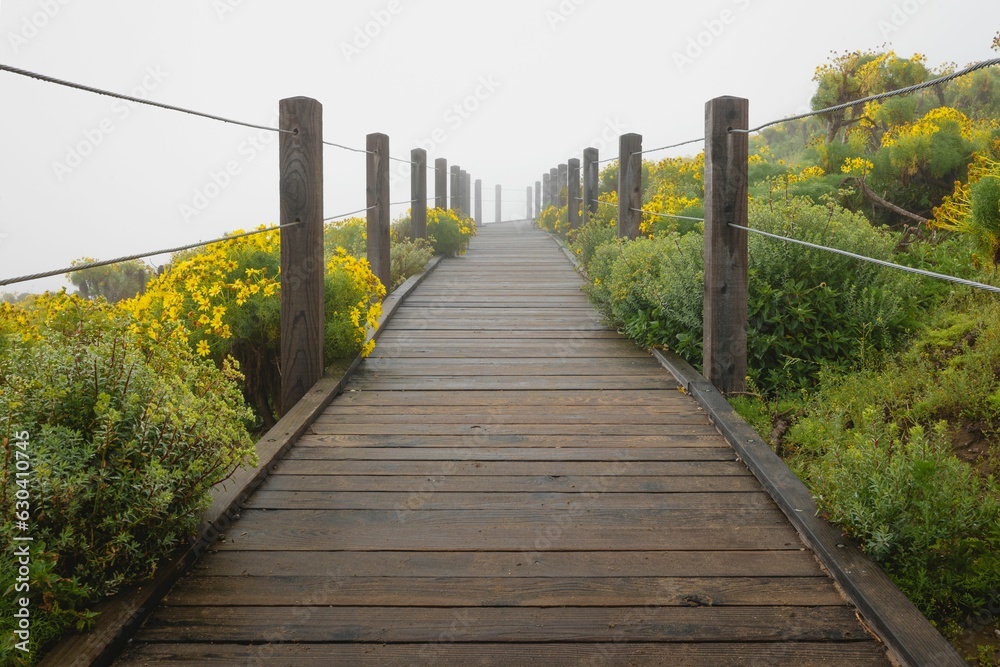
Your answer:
<point x="907" y="633"/>
<point x="121" y="615"/>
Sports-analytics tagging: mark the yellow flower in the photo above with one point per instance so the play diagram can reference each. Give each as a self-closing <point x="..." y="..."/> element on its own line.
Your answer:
<point x="203" y="349"/>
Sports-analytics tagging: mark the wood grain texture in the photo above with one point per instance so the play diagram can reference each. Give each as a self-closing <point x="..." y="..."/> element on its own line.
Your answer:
<point x="302" y="288"/>
<point x="379" y="211"/>
<point x="418" y="193"/>
<point x="441" y="183"/>
<point x="507" y="481"/>
<point x="629" y="185"/>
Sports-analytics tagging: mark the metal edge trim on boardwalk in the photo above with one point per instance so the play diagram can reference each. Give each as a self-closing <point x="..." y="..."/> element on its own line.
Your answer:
<point x="905" y="630"/>
<point x="120" y="616"/>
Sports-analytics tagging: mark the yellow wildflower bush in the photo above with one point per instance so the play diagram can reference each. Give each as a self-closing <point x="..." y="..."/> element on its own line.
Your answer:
<point x="224" y="301"/>
<point x="449" y="232"/>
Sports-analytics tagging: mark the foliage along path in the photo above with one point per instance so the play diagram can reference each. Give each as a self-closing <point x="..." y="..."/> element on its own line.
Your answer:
<point x="508" y="480"/>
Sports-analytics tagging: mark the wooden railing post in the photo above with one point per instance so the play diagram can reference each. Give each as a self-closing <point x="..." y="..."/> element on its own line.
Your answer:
<point x="466" y="194"/>
<point x="418" y="194"/>
<point x="546" y="192"/>
<point x="479" y="203"/>
<point x="573" y="193"/>
<point x="629" y="185"/>
<point x="441" y="183"/>
<point x="538" y="199"/>
<point x="591" y="178"/>
<point x="453" y="187"/>
<point x="499" y="202"/>
<point x="563" y="184"/>
<point x="726" y="272"/>
<point x="527" y="209"/>
<point x="554" y="187"/>
<point x="378" y="203"/>
<point x="301" y="192"/>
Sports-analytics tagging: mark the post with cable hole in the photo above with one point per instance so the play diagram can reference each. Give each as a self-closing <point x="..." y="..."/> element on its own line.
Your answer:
<point x="499" y="201"/>
<point x="546" y="190"/>
<point x="527" y="210"/>
<point x="573" y="193"/>
<point x="538" y="199"/>
<point x="726" y="266"/>
<point x="479" y="203"/>
<point x="629" y="185"/>
<point x="441" y="183"/>
<point x="590" y="182"/>
<point x="418" y="194"/>
<point x="378" y="204"/>
<point x="302" y="287"/>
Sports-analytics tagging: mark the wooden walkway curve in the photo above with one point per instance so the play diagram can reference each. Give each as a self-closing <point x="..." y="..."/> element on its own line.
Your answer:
<point x="507" y="481"/>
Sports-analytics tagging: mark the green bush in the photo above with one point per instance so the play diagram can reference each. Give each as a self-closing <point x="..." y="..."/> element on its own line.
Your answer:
<point x="807" y="309"/>
<point x="126" y="437"/>
<point x="448" y="232"/>
<point x="587" y="239"/>
<point x="917" y="510"/>
<point x="408" y="258"/>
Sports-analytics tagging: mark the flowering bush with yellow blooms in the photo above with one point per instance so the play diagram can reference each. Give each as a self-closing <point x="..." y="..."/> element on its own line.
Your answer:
<point x="224" y="301"/>
<point x="449" y="232"/>
<point x="554" y="219"/>
<point x="126" y="435"/>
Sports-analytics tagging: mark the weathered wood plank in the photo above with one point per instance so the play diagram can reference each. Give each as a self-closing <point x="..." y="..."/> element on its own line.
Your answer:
<point x="563" y="654"/>
<point x="587" y="591"/>
<point x="445" y="500"/>
<point x="773" y="563"/>
<point x="302" y="453"/>
<point x="493" y="624"/>
<point x="465" y="467"/>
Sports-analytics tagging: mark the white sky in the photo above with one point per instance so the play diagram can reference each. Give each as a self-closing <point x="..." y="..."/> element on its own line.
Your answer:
<point x="562" y="74"/>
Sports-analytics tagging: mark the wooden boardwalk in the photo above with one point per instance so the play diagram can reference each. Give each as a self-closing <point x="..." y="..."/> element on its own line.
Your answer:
<point x="507" y="481"/>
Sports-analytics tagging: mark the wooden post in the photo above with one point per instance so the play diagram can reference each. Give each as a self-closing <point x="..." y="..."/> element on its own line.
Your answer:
<point x="629" y="185"/>
<point x="440" y="183"/>
<point x="554" y="187"/>
<point x="546" y="191"/>
<point x="499" y="202"/>
<point x="418" y="194"/>
<point x="726" y="273"/>
<point x="527" y="210"/>
<point x="573" y="193"/>
<point x="453" y="186"/>
<point x="479" y="203"/>
<point x="466" y="194"/>
<point x="591" y="180"/>
<point x="302" y="299"/>
<point x="538" y="199"/>
<point x="563" y="186"/>
<point x="379" y="216"/>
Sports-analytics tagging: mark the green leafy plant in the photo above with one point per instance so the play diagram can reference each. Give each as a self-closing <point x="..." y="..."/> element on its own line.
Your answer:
<point x="127" y="435"/>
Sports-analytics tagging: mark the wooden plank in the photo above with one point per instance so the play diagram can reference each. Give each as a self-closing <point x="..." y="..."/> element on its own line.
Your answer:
<point x="773" y="563"/>
<point x="444" y="500"/>
<point x="517" y="398"/>
<point x="488" y="428"/>
<point x="497" y="624"/>
<point x="427" y="484"/>
<point x="624" y="419"/>
<point x="519" y="440"/>
<point x="457" y="592"/>
<point x="563" y="654"/>
<point x="384" y="381"/>
<point x="620" y="468"/>
<point x="586" y="530"/>
<point x="300" y="453"/>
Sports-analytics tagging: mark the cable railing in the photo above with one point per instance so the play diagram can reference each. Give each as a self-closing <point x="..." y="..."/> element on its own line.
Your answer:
<point x="726" y="195"/>
<point x="301" y="168"/>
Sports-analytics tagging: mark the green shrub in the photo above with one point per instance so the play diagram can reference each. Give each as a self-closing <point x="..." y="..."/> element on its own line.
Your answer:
<point x="448" y="232"/>
<point x="917" y="510"/>
<point x="588" y="238"/>
<point x="807" y="309"/>
<point x="126" y="437"/>
<point x="408" y="258"/>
